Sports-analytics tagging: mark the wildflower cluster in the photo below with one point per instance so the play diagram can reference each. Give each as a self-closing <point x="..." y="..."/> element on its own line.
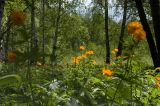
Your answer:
<point x="136" y="29"/>
<point x="77" y="59"/>
<point x="114" y="51"/>
<point x="89" y="52"/>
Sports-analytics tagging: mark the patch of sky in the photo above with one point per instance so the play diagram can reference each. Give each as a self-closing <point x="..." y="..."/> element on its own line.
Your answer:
<point x="86" y="4"/>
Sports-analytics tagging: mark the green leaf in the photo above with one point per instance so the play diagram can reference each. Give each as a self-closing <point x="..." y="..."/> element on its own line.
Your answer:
<point x="95" y="80"/>
<point x="9" y="79"/>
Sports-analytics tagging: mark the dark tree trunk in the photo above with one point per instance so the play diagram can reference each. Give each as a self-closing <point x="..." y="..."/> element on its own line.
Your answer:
<point x="106" y="33"/>
<point x="55" y="35"/>
<point x="1" y="16"/>
<point x="33" y="33"/>
<point x="155" y="10"/>
<point x="43" y="31"/>
<point x="120" y="45"/>
<point x="150" y="40"/>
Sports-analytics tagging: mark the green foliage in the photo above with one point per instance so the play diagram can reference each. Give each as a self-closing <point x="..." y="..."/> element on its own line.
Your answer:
<point x="9" y="79"/>
<point x="65" y="83"/>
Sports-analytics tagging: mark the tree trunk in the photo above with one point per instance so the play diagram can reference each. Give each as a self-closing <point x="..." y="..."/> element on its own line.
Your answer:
<point x="33" y="33"/>
<point x="155" y="10"/>
<point x="55" y="35"/>
<point x="43" y="31"/>
<point x="1" y="16"/>
<point x="106" y="33"/>
<point x="120" y="45"/>
<point x="150" y="40"/>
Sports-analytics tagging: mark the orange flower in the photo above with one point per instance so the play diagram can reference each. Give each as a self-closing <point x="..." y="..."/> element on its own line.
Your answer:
<point x="89" y="52"/>
<point x="158" y="78"/>
<point x="140" y="34"/>
<point x="84" y="56"/>
<point x="17" y="17"/>
<point x="94" y="62"/>
<point x="116" y="50"/>
<point x="82" y="47"/>
<point x="113" y="52"/>
<point x="136" y="29"/>
<point x="81" y="57"/>
<point x="158" y="85"/>
<point x="106" y="72"/>
<point x="133" y="26"/>
<point x="11" y="56"/>
<point x="75" y="60"/>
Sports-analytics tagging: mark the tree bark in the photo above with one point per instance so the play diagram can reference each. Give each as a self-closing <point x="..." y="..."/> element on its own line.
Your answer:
<point x="107" y="34"/>
<point x="33" y="33"/>
<point x="43" y="31"/>
<point x="1" y="16"/>
<point x="150" y="40"/>
<point x="155" y="11"/>
<point x="120" y="45"/>
<point x="55" y="35"/>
